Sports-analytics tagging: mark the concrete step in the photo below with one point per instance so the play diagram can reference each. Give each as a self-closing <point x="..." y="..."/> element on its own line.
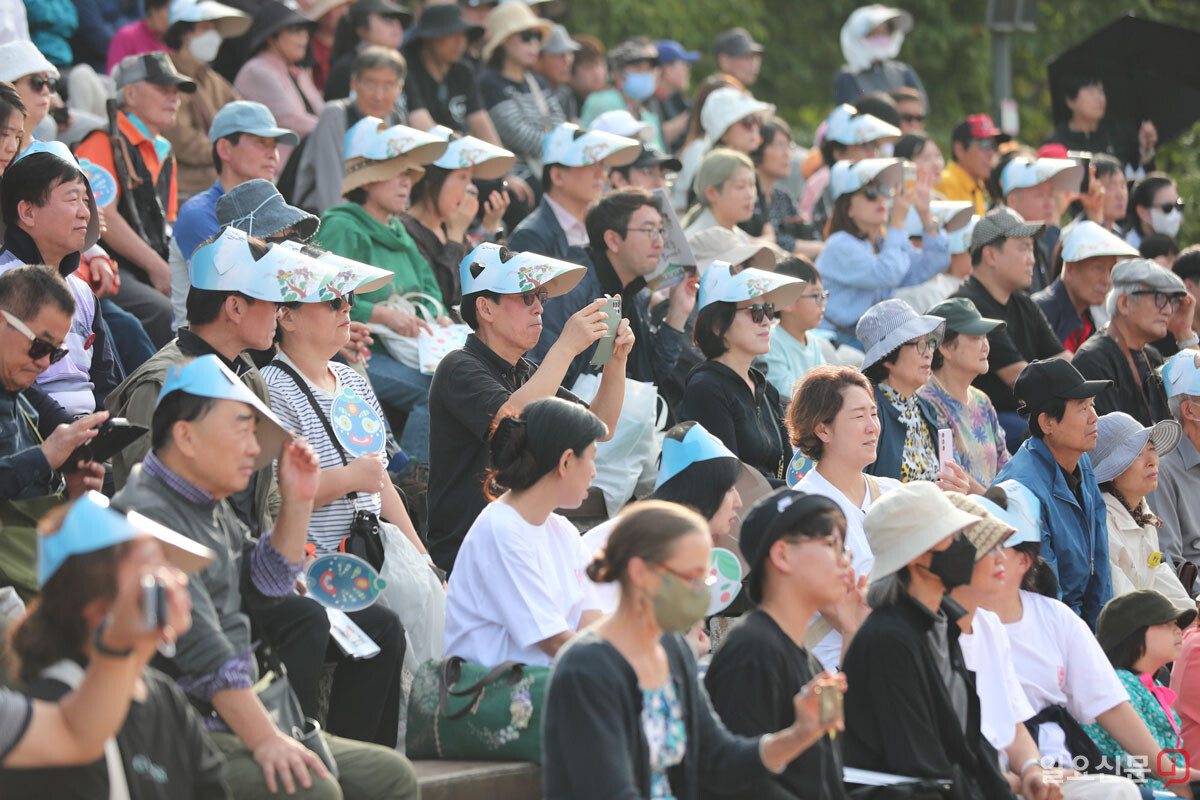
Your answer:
<point x="478" y="780"/>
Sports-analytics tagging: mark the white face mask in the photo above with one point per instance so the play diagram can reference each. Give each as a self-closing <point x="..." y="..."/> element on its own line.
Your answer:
<point x="1166" y="223"/>
<point x="204" y="46"/>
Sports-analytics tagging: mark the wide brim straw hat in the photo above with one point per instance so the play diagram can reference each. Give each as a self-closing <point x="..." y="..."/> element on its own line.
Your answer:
<point x="361" y="171"/>
<point x="508" y="19"/>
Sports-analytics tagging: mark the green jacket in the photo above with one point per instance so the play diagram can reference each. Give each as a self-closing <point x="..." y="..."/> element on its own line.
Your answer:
<point x="353" y="233"/>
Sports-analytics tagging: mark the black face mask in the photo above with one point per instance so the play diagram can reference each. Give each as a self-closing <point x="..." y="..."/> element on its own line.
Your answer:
<point x="955" y="564"/>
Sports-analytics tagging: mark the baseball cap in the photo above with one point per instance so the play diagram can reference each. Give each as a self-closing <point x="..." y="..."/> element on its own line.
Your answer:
<point x="92" y="524"/>
<point x="21" y="58"/>
<point x="848" y="177"/>
<point x="736" y="42"/>
<point x="156" y="68"/>
<point x="1086" y="239"/>
<point x="559" y="42"/>
<point x="726" y="106"/>
<point x="962" y="316"/>
<point x="720" y="285"/>
<point x="670" y="51"/>
<point x="1181" y="373"/>
<point x="769" y="519"/>
<point x="978" y="126"/>
<point x="569" y="145"/>
<point x="846" y="125"/>
<point x="1125" y="613"/>
<point x="1003" y="223"/>
<point x="651" y="156"/>
<point x="1064" y="174"/>
<point x="246" y="116"/>
<point x="492" y="268"/>
<point x="1052" y="379"/>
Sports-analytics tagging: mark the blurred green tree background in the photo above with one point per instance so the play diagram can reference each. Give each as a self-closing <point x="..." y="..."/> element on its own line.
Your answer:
<point x="949" y="46"/>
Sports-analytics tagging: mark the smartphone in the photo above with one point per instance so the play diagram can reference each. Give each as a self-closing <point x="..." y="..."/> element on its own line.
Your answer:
<point x="829" y="704"/>
<point x="604" y="348"/>
<point x="910" y="177"/>
<point x="945" y="446"/>
<point x="154" y="603"/>
<point x="112" y="436"/>
<point x="1085" y="160"/>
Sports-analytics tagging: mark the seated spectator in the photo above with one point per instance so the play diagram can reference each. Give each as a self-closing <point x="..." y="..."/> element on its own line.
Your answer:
<point x="576" y="162"/>
<point x="441" y="83"/>
<point x="867" y="253"/>
<point x="921" y="150"/>
<point x="1159" y="248"/>
<point x="725" y="193"/>
<point x="489" y="377"/>
<point x="850" y="135"/>
<point x="243" y="144"/>
<point x="1146" y="302"/>
<point x="1001" y="269"/>
<point x="327" y="14"/>
<point x="12" y="121"/>
<point x="134" y="151"/>
<point x="634" y="666"/>
<point x="775" y="213"/>
<point x="648" y="171"/>
<point x="197" y="28"/>
<point x="799" y="563"/>
<point x="921" y="554"/>
<point x="367" y="228"/>
<point x="258" y="209"/>
<point x="1089" y="253"/>
<point x="85" y="556"/>
<point x="50" y="217"/>
<point x="960" y="358"/>
<point x="1175" y="499"/>
<point x="1111" y="174"/>
<point x="730" y="119"/>
<point x="1154" y="207"/>
<point x="555" y="61"/>
<point x="275" y="75"/>
<point x="871" y="39"/>
<point x="377" y="80"/>
<point x="74" y="730"/>
<point x="670" y="101"/>
<point x="1187" y="266"/>
<point x="1030" y="188"/>
<point x="35" y="79"/>
<point x="738" y="55"/>
<point x="725" y="394"/>
<point x="143" y="36"/>
<point x="1126" y="462"/>
<point x="634" y="67"/>
<point x="517" y="99"/>
<point x="972" y="155"/>
<point x="910" y="103"/>
<point x="1054" y="465"/>
<point x="1089" y="128"/>
<point x="625" y="229"/>
<point x="795" y="348"/>
<point x="445" y="202"/>
<point x="209" y="434"/>
<point x="542" y="459"/>
<point x="589" y="74"/>
<point x="367" y="23"/>
<point x="36" y="306"/>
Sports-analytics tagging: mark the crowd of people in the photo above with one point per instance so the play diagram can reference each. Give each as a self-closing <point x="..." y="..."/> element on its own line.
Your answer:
<point x="552" y="343"/>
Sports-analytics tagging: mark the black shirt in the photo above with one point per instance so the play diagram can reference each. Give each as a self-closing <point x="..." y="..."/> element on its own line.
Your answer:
<point x="1027" y="337"/>
<point x="449" y="102"/>
<point x="469" y="388"/>
<point x="751" y="682"/>
<point x="1117" y="139"/>
<point x="1144" y="398"/>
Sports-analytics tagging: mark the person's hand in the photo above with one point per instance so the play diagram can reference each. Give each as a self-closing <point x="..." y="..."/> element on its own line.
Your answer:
<point x="585" y="326"/>
<point x="681" y="299"/>
<point x="103" y="276"/>
<point x="901" y="202"/>
<point x="282" y="757"/>
<point x="126" y="628"/>
<point x="1093" y="200"/>
<point x="86" y="476"/>
<point x="1180" y="322"/>
<point x="160" y="276"/>
<point x="808" y="710"/>
<point x="953" y="478"/>
<point x="368" y="473"/>
<point x="847" y="614"/>
<point x="923" y="192"/>
<point x="1147" y="139"/>
<point x="404" y="324"/>
<point x="622" y="345"/>
<point x="494" y="209"/>
<point x="358" y="348"/>
<point x="59" y="445"/>
<point x="102" y="220"/>
<point x="299" y="472"/>
<point x="1034" y="785"/>
<point x="444" y="322"/>
<point x="459" y="220"/>
<point x="697" y="639"/>
<point x="521" y="189"/>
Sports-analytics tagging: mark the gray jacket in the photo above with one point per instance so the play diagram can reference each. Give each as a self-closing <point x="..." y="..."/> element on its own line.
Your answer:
<point x="319" y="176"/>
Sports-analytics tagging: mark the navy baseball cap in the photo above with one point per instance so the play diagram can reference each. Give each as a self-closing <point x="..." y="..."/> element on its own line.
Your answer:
<point x="670" y="50"/>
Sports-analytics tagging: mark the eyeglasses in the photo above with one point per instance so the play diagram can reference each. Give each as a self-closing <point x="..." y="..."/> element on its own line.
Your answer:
<point x="751" y="122"/>
<point x="835" y="544"/>
<point x="653" y="233"/>
<point x="910" y="118"/>
<point x="37" y="83"/>
<point x="873" y="192"/>
<point x="820" y="298"/>
<point x="531" y="36"/>
<point x="1162" y="300"/>
<point x="376" y="87"/>
<point x="38" y="348"/>
<point x="700" y="582"/>
<point x="541" y="295"/>
<point x="986" y="144"/>
<point x="924" y="345"/>
<point x="337" y="302"/>
<point x="760" y="312"/>
<point x="1167" y="208"/>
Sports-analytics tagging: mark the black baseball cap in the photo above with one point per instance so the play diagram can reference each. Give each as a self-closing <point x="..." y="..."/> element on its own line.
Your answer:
<point x="736" y="42"/>
<point x="651" y="156"/>
<point x="767" y="521"/>
<point x="1052" y="379"/>
<point x="1126" y="613"/>
<point x="155" y="67"/>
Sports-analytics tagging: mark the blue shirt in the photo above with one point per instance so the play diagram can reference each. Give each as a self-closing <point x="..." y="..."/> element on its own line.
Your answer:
<point x="788" y="361"/>
<point x="197" y="220"/>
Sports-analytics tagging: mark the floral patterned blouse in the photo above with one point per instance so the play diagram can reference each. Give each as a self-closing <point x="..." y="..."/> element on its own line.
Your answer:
<point x="1164" y="728"/>
<point x="978" y="438"/>
<point x="920" y="461"/>
<point x="662" y="721"/>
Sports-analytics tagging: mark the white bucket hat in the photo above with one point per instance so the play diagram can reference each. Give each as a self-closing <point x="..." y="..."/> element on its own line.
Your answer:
<point x="889" y="324"/>
<point x="569" y="145"/>
<point x="21" y="58"/>
<point x="720" y="285"/>
<point x="847" y="177"/>
<point x="846" y="125"/>
<point x="908" y="521"/>
<point x="726" y="106"/>
<point x="1120" y="439"/>
<point x="1086" y="239"/>
<point x="1064" y="174"/>
<point x="230" y="22"/>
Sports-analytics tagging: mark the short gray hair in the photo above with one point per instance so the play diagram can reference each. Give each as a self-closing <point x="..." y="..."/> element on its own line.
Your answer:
<point x="377" y="56"/>
<point x="1118" y="289"/>
<point x="888" y="590"/>
<point x="1175" y="403"/>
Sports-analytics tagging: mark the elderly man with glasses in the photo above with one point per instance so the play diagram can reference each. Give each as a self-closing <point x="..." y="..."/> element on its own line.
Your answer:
<point x="1146" y="302"/>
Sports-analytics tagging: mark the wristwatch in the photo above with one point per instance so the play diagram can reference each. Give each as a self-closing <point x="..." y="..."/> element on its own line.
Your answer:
<point x="1191" y="341"/>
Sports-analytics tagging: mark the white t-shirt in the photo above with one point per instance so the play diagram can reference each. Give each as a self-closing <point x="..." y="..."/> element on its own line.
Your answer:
<point x="829" y="650"/>
<point x="608" y="595"/>
<point x="1002" y="703"/>
<point x="514" y="585"/>
<point x="1060" y="663"/>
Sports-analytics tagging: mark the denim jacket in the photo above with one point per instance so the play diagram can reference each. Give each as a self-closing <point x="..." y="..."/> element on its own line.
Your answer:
<point x="24" y="470"/>
<point x="1074" y="539"/>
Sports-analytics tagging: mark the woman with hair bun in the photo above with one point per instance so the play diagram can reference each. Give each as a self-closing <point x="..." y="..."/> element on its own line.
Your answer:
<point x="518" y="591"/>
<point x="624" y="714"/>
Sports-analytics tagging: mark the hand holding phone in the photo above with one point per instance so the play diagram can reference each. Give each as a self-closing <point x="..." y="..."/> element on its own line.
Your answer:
<point x="604" y="347"/>
<point x="945" y="446"/>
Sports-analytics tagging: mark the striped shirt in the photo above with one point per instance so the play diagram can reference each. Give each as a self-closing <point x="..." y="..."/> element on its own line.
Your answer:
<point x="330" y="523"/>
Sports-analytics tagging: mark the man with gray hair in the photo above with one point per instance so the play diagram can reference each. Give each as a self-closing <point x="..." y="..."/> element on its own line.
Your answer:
<point x="1177" y="499"/>
<point x="1146" y="301"/>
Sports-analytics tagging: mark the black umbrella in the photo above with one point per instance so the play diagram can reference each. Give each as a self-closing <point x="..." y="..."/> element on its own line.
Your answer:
<point x="1150" y="71"/>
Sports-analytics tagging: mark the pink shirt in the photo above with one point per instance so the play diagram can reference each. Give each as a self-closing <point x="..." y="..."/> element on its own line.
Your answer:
<point x="1185" y="680"/>
<point x="575" y="230"/>
<point x="132" y="40"/>
<point x="268" y="80"/>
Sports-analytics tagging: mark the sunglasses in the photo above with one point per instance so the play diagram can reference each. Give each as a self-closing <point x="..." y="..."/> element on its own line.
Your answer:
<point x="1162" y="299"/>
<point x="912" y="118"/>
<point x="530" y="36"/>
<point x="751" y="122"/>
<point x="37" y="83"/>
<point x="38" y="348"/>
<point x="336" y="303"/>
<point x="925" y="345"/>
<point x="986" y="144"/>
<point x="1167" y="208"/>
<point x="541" y="295"/>
<point x="761" y="312"/>
<point x="873" y="193"/>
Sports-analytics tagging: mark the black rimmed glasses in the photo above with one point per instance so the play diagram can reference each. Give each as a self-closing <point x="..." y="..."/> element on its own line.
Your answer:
<point x="820" y="298"/>
<point x="1162" y="300"/>
<point x="38" y="348"/>
<point x="925" y="345"/>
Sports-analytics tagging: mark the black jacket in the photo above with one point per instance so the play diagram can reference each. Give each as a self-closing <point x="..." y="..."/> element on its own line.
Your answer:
<point x="1144" y="398"/>
<point x="899" y="716"/>
<point x="593" y="742"/>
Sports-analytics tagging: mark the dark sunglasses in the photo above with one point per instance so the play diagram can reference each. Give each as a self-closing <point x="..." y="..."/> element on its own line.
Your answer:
<point x="337" y="302"/>
<point x="531" y="36"/>
<point x="1162" y="300"/>
<point x="37" y="83"/>
<point x="751" y="122"/>
<point x="1167" y="208"/>
<point x="38" y="348"/>
<point x="760" y="312"/>
<point x="912" y="118"/>
<point x="873" y="193"/>
<point x="541" y="295"/>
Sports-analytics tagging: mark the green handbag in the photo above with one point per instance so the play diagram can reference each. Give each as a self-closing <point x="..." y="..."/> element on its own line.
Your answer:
<point x="18" y="541"/>
<point x="468" y="712"/>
